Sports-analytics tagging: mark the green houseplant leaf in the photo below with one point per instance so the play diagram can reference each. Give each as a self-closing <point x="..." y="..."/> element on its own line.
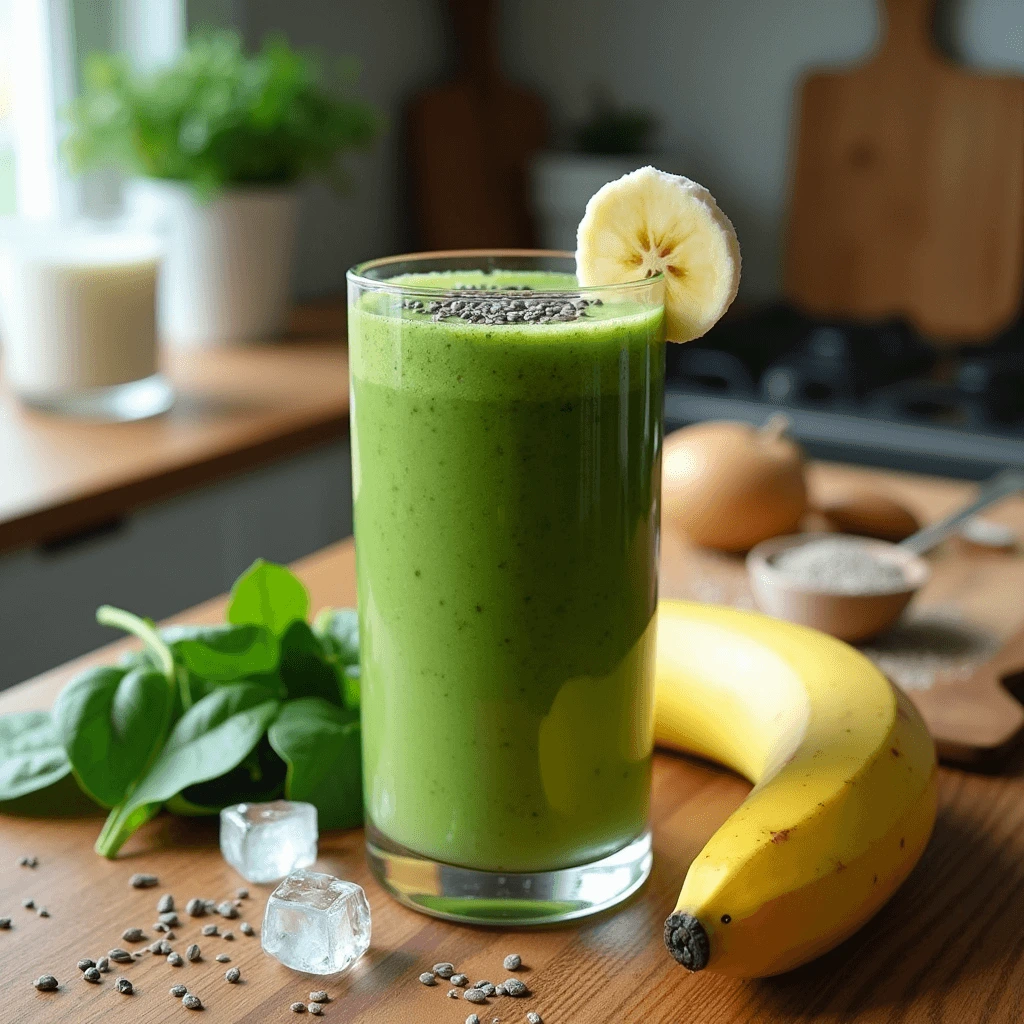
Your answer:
<point x="112" y="724"/>
<point x="32" y="757"/>
<point x="210" y="739"/>
<point x="267" y="594"/>
<point x="217" y="116"/>
<point x="320" y="744"/>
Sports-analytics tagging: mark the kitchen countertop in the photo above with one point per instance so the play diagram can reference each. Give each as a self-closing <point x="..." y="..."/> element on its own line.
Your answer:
<point x="237" y="409"/>
<point x="948" y="947"/>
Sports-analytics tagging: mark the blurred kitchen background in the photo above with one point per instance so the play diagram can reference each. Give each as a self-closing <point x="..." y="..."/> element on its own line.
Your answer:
<point x="880" y="209"/>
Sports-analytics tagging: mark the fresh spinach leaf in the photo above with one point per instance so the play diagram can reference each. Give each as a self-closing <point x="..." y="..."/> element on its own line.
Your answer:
<point x="353" y="687"/>
<point x="260" y="777"/>
<point x="221" y="653"/>
<point x="32" y="756"/>
<point x="320" y="744"/>
<point x="60" y="799"/>
<point x="112" y="724"/>
<point x="338" y="630"/>
<point x="210" y="739"/>
<point x="268" y="595"/>
<point x="305" y="670"/>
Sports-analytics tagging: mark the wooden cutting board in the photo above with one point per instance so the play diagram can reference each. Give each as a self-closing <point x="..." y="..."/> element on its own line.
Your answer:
<point x="908" y="189"/>
<point x="470" y="144"/>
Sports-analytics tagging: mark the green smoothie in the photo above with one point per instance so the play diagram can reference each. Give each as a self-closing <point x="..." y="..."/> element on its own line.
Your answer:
<point x="506" y="483"/>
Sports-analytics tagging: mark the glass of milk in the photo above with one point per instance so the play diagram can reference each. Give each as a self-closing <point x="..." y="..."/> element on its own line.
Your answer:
<point x="78" y="320"/>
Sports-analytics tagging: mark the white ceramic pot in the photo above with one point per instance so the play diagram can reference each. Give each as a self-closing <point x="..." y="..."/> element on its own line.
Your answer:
<point x="562" y="183"/>
<point x="226" y="275"/>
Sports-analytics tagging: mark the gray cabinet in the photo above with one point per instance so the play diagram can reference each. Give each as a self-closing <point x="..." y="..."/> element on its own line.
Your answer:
<point x="167" y="557"/>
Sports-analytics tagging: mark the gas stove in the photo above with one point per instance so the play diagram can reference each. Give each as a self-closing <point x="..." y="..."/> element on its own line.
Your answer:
<point x="876" y="394"/>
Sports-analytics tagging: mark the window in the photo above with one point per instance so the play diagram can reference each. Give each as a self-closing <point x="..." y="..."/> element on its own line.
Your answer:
<point x="7" y="169"/>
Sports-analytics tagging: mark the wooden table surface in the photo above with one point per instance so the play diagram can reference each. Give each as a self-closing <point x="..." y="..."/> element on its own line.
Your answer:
<point x="948" y="949"/>
<point x="237" y="408"/>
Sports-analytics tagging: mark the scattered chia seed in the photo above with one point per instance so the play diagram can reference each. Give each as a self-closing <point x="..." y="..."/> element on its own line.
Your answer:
<point x="453" y="993"/>
<point x="486" y="987"/>
<point x="124" y="986"/>
<point x="191" y="1002"/>
<point x="426" y="978"/>
<point x="85" y="963"/>
<point x="499" y="990"/>
<point x="103" y="964"/>
<point x="472" y="1019"/>
<point x="169" y="918"/>
<point x="43" y="912"/>
<point x="30" y="904"/>
<point x="320" y="996"/>
<point x="222" y="958"/>
<point x="46" y="983"/>
<point x="460" y="979"/>
<point x="161" y="948"/>
<point x="444" y="970"/>
<point x="192" y="954"/>
<point x="232" y="974"/>
<point x="242" y="894"/>
<point x="298" y="1007"/>
<point x="92" y="975"/>
<point x="210" y="905"/>
<point x="143" y="881"/>
<point x="165" y="903"/>
<point x="246" y="929"/>
<point x="514" y="987"/>
<point x="474" y="995"/>
<point x="512" y="962"/>
<point x="210" y="929"/>
<point x="178" y="991"/>
<point x="230" y="936"/>
<point x="170" y="934"/>
<point x="120" y="956"/>
<point x="138" y="954"/>
<point x="481" y="305"/>
<point x="534" y="1018"/>
<point x="132" y="935"/>
<point x="175" y="959"/>
<point x="227" y="909"/>
<point x="161" y="927"/>
<point x="5" y="924"/>
<point x="316" y="1009"/>
<point x="28" y="862"/>
<point x="195" y="908"/>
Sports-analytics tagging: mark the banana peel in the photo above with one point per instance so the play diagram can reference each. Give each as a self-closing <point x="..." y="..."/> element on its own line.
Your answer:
<point x="845" y="786"/>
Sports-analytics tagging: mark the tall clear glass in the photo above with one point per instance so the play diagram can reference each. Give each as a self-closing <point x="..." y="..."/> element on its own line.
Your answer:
<point x="506" y="451"/>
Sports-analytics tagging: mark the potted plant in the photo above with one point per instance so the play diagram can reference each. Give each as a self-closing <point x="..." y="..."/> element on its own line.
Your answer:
<point x="216" y="144"/>
<point x="612" y="142"/>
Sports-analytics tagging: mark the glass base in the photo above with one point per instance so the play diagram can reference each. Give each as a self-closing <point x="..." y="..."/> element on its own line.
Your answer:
<point x="137" y="400"/>
<point x="528" y="898"/>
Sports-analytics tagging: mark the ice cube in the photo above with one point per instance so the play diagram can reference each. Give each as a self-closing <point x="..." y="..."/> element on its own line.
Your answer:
<point x="265" y="842"/>
<point x="316" y="923"/>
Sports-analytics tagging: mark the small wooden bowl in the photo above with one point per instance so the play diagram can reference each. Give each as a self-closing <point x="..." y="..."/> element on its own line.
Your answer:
<point x="849" y="617"/>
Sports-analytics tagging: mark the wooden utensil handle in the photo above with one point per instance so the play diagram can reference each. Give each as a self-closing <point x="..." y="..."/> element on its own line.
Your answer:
<point x="908" y="27"/>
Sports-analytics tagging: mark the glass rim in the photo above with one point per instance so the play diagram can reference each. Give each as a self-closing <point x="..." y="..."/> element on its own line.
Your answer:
<point x="357" y="274"/>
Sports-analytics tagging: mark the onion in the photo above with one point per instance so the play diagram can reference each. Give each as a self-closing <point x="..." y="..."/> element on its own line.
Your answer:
<point x="730" y="486"/>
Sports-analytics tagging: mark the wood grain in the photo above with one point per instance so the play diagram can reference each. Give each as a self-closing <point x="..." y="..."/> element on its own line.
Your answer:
<point x="948" y="948"/>
<point x="908" y="189"/>
<point x="237" y="409"/>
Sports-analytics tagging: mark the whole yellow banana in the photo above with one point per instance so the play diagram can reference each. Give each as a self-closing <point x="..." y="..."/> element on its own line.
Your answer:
<point x="844" y="793"/>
